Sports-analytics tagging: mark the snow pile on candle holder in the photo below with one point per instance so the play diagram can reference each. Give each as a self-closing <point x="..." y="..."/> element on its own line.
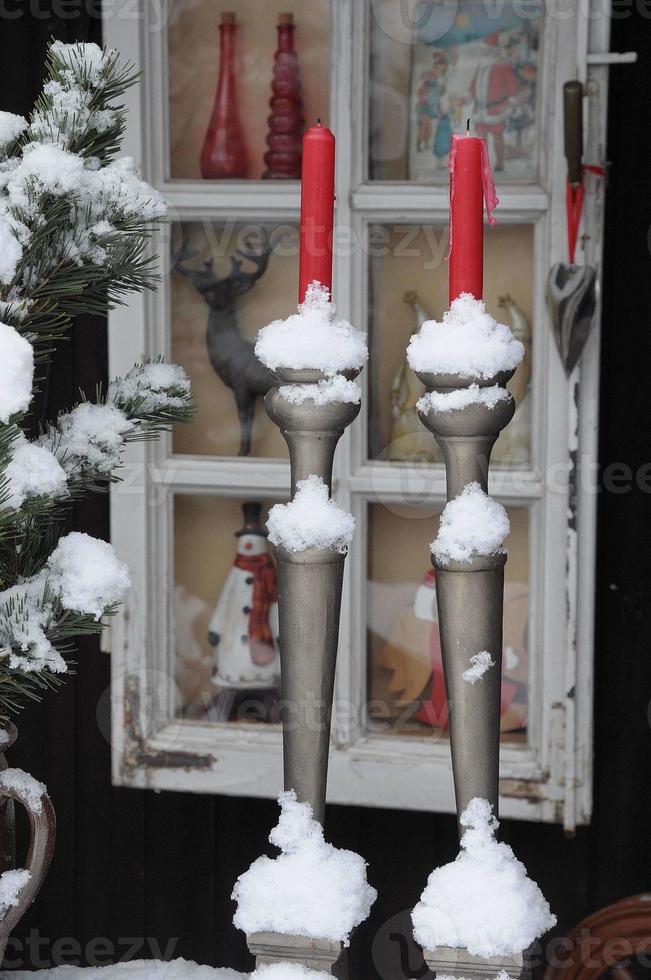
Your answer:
<point x="483" y="901"/>
<point x="459" y="398"/>
<point x="468" y="343"/>
<point x="16" y="371"/>
<point x="471" y="524"/>
<point x="310" y="889"/>
<point x="479" y="664"/>
<point x="311" y="520"/>
<point x="314" y="337"/>
<point x="334" y="389"/>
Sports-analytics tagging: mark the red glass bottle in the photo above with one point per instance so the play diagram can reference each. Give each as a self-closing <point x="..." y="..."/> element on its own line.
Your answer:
<point x="224" y="153"/>
<point x="283" y="158"/>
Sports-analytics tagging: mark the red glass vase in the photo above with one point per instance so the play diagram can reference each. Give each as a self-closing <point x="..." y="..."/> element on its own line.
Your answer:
<point x="224" y="153"/>
<point x="283" y="158"/>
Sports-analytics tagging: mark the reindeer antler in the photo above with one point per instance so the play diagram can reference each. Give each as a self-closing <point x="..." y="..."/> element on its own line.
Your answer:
<point x="200" y="277"/>
<point x="258" y="254"/>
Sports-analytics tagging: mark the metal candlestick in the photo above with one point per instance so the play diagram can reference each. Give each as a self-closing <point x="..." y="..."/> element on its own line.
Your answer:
<point x="470" y="595"/>
<point x="309" y="596"/>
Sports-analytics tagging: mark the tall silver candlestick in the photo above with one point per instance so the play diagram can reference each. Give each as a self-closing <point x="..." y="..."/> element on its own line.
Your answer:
<point x="309" y="595"/>
<point x="470" y="595"/>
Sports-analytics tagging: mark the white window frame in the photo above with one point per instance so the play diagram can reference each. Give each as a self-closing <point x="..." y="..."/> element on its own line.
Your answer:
<point x="549" y="779"/>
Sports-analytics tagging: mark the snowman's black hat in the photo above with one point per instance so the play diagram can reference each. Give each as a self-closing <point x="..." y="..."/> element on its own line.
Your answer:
<point x="251" y="511"/>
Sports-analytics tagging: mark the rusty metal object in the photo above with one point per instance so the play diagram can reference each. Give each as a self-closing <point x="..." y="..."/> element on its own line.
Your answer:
<point x="607" y="940"/>
<point x="42" y="823"/>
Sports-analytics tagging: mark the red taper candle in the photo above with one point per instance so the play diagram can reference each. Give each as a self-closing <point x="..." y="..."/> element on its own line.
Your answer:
<point x="317" y="209"/>
<point x="466" y="217"/>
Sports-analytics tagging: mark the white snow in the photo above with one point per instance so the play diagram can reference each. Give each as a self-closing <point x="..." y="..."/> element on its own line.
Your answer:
<point x="458" y="398"/>
<point x="137" y="970"/>
<point x="32" y="471"/>
<point x="334" y="389"/>
<point x="4" y="736"/>
<point x="314" y="337"/>
<point x="479" y="664"/>
<point x="11" y="126"/>
<point x="310" y="520"/>
<point x="86" y="59"/>
<point x="310" y="889"/>
<point x="86" y="574"/>
<point x="25" y="615"/>
<point x="11" y="251"/>
<point x="25" y="785"/>
<point x="16" y="372"/>
<point x="483" y="901"/>
<point x="90" y="437"/>
<point x="153" y="386"/>
<point x="288" y="971"/>
<point x="468" y="343"/>
<point x="11" y="884"/>
<point x="471" y="524"/>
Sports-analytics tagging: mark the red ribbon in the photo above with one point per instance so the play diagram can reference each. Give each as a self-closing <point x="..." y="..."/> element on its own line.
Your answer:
<point x="574" y="206"/>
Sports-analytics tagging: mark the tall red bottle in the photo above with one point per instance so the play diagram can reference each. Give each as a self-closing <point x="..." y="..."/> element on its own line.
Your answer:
<point x="224" y="152"/>
<point x="283" y="158"/>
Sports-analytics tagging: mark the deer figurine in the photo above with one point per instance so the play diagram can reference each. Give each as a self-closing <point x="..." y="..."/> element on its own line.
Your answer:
<point x="231" y="355"/>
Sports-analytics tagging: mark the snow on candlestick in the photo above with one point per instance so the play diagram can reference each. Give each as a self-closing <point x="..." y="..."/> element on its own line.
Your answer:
<point x="75" y="216"/>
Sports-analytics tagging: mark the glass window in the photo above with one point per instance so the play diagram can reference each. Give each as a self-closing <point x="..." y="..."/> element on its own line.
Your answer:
<point x="406" y="694"/>
<point x="217" y="308"/>
<point x="435" y="64"/>
<point x="408" y="282"/>
<point x="194" y="64"/>
<point x="225" y="611"/>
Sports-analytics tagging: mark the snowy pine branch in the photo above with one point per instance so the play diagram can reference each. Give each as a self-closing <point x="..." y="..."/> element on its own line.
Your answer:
<point x="74" y="238"/>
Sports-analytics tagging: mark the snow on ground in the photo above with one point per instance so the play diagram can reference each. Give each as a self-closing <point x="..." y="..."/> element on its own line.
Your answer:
<point x="310" y="520"/>
<point x="136" y="970"/>
<point x="479" y="664"/>
<point x="314" y="337"/>
<point x="16" y="372"/>
<point x="334" y="389"/>
<point x="471" y="524"/>
<point x="453" y="401"/>
<point x="310" y="889"/>
<point x="482" y="901"/>
<point x="288" y="971"/>
<point x="468" y="343"/>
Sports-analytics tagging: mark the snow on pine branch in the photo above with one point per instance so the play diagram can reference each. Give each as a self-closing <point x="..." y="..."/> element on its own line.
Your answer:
<point x="16" y="373"/>
<point x="82" y="577"/>
<point x="310" y="889"/>
<point x="482" y="901"/>
<point x="72" y="218"/>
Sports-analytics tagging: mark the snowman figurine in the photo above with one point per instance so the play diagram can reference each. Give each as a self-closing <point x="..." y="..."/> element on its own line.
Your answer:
<point x="243" y="629"/>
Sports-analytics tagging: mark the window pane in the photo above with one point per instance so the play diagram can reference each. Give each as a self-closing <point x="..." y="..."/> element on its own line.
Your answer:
<point x="216" y="314"/>
<point x="408" y="278"/>
<point x="435" y="64"/>
<point x="194" y="59"/>
<point x="405" y="680"/>
<point x="225" y="612"/>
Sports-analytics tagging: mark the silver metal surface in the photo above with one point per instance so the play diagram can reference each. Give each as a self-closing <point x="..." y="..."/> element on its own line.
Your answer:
<point x="458" y="962"/>
<point x="311" y="433"/>
<point x="470" y="599"/>
<point x="321" y="955"/>
<point x="309" y="598"/>
<point x="309" y="601"/>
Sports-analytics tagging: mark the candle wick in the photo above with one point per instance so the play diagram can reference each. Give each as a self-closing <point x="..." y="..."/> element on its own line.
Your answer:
<point x="468" y="125"/>
<point x="318" y="120"/>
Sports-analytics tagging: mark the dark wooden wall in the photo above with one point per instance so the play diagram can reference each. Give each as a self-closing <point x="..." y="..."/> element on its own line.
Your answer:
<point x="139" y="870"/>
